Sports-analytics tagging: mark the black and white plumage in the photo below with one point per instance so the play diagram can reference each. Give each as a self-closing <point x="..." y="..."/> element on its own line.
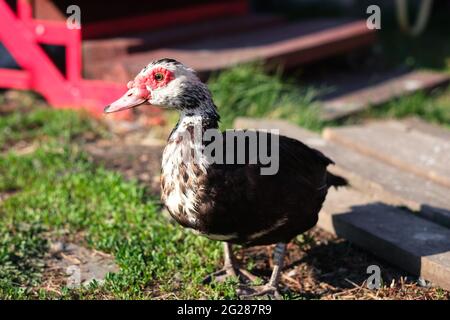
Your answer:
<point x="233" y="203"/>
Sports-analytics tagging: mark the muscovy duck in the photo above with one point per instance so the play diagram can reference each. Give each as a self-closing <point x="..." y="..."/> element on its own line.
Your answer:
<point x="229" y="201"/>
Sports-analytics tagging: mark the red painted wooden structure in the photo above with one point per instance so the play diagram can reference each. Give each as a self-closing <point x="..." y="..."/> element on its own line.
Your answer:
<point x="22" y="36"/>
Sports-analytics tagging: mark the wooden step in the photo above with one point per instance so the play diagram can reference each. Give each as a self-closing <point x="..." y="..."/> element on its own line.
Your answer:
<point x="367" y="213"/>
<point x="396" y="144"/>
<point x="359" y="92"/>
<point x="289" y="44"/>
<point x="415" y="123"/>
<point x="17" y="79"/>
<point x="99" y="50"/>
<point x="409" y="242"/>
<point x="397" y="187"/>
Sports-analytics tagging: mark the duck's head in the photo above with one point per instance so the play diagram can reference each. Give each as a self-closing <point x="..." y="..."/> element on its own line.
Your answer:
<point x="165" y="83"/>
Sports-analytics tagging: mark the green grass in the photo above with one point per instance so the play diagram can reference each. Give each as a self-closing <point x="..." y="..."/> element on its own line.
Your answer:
<point x="22" y="250"/>
<point x="44" y="124"/>
<point x="248" y="91"/>
<point x="434" y="108"/>
<point x="59" y="193"/>
<point x="116" y="217"/>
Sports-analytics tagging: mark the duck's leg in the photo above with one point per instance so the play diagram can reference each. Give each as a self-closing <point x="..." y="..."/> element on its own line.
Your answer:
<point x="230" y="268"/>
<point x="271" y="288"/>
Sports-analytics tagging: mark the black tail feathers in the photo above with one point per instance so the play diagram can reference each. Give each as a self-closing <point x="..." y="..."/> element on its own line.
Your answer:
<point x="336" y="181"/>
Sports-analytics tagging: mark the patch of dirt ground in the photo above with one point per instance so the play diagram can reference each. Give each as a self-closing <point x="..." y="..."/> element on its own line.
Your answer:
<point x="134" y="162"/>
<point x="72" y="265"/>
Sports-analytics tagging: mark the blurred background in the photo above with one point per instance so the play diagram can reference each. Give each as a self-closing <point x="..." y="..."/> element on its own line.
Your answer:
<point x="325" y="47"/>
<point x="363" y="81"/>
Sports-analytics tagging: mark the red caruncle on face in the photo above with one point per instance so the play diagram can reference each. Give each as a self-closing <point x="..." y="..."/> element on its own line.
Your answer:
<point x="156" y="78"/>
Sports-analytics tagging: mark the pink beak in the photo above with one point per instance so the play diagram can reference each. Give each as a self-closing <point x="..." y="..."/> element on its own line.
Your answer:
<point x="131" y="99"/>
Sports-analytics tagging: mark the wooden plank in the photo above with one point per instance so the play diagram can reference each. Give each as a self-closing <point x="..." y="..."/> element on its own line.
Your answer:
<point x="24" y="10"/>
<point x="286" y="128"/>
<point x="48" y="10"/>
<point x="16" y="79"/>
<point x="110" y="48"/>
<point x="413" y="244"/>
<point x="415" y="123"/>
<point x="289" y="44"/>
<point x="396" y="187"/>
<point x="391" y="142"/>
<point x="381" y="92"/>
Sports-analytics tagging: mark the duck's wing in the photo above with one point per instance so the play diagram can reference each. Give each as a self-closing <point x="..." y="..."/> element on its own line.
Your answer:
<point x="295" y="159"/>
